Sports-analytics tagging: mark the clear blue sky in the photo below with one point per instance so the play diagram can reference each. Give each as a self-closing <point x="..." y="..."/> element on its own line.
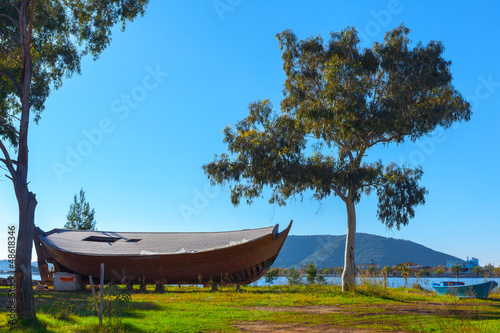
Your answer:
<point x="136" y="127"/>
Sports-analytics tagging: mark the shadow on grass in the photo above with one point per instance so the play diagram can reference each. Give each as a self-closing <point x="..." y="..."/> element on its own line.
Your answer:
<point x="145" y="306"/>
<point x="274" y="291"/>
<point x="31" y="325"/>
<point x="292" y="289"/>
<point x="114" y="325"/>
<point x="111" y="327"/>
<point x="471" y="313"/>
<point x="66" y="307"/>
<point x="381" y="295"/>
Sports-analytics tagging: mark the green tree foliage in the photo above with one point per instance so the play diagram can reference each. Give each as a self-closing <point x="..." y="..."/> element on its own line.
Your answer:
<point x="271" y="275"/>
<point x="311" y="272"/>
<point x="80" y="217"/>
<point x="457" y="269"/>
<point x="405" y="272"/>
<point x="386" y="270"/>
<point x="42" y="42"/>
<point x="340" y="102"/>
<point x="489" y="268"/>
<point x="293" y="276"/>
<point x="477" y="270"/>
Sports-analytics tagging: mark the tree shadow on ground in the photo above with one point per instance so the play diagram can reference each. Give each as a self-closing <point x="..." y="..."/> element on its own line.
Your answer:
<point x="32" y="325"/>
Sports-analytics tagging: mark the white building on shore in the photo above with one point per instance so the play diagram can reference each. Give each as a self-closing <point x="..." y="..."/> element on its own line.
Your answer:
<point x="467" y="265"/>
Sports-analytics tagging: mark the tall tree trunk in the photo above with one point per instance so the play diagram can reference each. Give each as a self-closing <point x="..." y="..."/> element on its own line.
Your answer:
<point x="348" y="276"/>
<point x="25" y="305"/>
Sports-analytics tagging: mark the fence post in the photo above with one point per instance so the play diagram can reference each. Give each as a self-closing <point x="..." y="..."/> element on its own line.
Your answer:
<point x="102" y="294"/>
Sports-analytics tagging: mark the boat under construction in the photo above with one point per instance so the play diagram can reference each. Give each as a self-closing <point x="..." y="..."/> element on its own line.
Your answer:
<point x="233" y="257"/>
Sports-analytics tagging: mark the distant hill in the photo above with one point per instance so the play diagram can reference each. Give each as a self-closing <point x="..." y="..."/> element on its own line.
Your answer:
<point x="327" y="251"/>
<point x="5" y="266"/>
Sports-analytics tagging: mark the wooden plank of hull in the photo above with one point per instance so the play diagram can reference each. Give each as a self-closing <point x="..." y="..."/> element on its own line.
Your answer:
<point x="242" y="264"/>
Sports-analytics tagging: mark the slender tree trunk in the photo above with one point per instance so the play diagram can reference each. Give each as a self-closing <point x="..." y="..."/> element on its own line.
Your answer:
<point x="25" y="305"/>
<point x="348" y="276"/>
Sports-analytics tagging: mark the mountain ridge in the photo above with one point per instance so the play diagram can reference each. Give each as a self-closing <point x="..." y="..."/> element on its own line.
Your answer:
<point x="328" y="250"/>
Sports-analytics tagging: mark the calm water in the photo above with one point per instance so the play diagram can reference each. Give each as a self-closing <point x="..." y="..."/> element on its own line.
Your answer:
<point x="392" y="282"/>
<point x="33" y="277"/>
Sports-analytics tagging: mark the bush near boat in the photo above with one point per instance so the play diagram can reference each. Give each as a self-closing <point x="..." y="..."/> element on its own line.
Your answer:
<point x="314" y="307"/>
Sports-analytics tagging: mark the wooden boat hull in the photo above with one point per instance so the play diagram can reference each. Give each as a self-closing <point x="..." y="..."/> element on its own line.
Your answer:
<point x="479" y="290"/>
<point x="238" y="264"/>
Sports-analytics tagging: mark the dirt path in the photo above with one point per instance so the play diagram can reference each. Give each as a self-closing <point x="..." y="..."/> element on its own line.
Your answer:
<point x="364" y="312"/>
<point x="262" y="327"/>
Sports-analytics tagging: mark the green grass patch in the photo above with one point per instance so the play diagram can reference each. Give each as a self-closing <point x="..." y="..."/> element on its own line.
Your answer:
<point x="193" y="309"/>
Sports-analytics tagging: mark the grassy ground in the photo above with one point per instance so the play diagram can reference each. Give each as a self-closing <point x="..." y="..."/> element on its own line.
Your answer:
<point x="312" y="308"/>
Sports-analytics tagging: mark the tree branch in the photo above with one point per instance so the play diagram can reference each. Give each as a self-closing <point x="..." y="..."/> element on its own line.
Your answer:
<point x="7" y="161"/>
<point x="30" y="31"/>
<point x="371" y="184"/>
<point x="10" y="19"/>
<point x="14" y="82"/>
<point x="349" y="153"/>
<point x="391" y="138"/>
<point x="359" y="157"/>
<point x="11" y="127"/>
<point x="338" y="192"/>
<point x="382" y="140"/>
<point x="347" y="148"/>
<point x="9" y="3"/>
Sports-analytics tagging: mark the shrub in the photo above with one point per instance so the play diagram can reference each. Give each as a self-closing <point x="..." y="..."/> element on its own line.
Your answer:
<point x="271" y="275"/>
<point x="311" y="272"/>
<point x="294" y="276"/>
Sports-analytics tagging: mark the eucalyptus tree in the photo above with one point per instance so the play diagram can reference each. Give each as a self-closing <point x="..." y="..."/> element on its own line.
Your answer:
<point x="339" y="102"/>
<point x="42" y="42"/>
